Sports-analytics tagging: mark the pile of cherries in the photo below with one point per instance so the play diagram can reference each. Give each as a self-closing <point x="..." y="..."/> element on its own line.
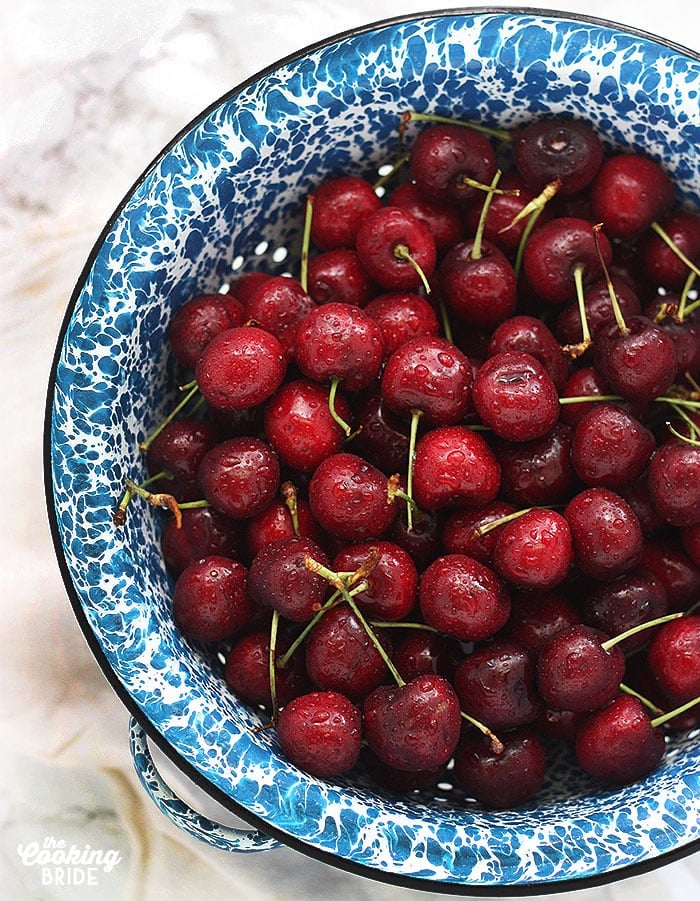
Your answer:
<point x="435" y="499"/>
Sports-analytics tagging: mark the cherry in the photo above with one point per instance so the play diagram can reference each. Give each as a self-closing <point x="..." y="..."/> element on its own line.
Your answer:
<point x="462" y="531"/>
<point x="392" y="590"/>
<point x="246" y="284"/>
<point x="348" y="498"/>
<point x="247" y="671"/>
<point x="501" y="780"/>
<point x="537" y="472"/>
<point x="582" y="383"/>
<point x="619" y="744"/>
<point x="442" y="219"/>
<point x="340" y="206"/>
<point x="674" y="658"/>
<point x="577" y="672"/>
<point x="627" y="601"/>
<point x="382" y="438"/>
<point x="527" y="334"/>
<point x="199" y="320"/>
<point x="560" y="725"/>
<point x="321" y="732"/>
<point x="478" y="283"/>
<point x="506" y="217"/>
<point x="338" y="276"/>
<point x="662" y="264"/>
<point x="561" y="251"/>
<point x="422" y="540"/>
<point x="568" y="150"/>
<point x="629" y="192"/>
<point x="234" y="423"/>
<point x="515" y="396"/>
<point x="674" y="482"/>
<point x="443" y="159"/>
<point x="605" y="532"/>
<point x="299" y="425"/>
<point x="534" y="550"/>
<point x="610" y="447"/>
<point x="463" y="598"/>
<point x="598" y="310"/>
<point x="637" y="496"/>
<point x="203" y="532"/>
<point x="278" y="578"/>
<point x="177" y="450"/>
<point x="341" y="656"/>
<point x="279" y="305"/>
<point x="402" y="317"/>
<point x="538" y="615"/>
<point x="415" y="726"/>
<point x="685" y="333"/>
<point x="420" y="653"/>
<point x="454" y="466"/>
<point x="396" y="249"/>
<point x="240" y="367"/>
<point x="211" y="600"/>
<point x="678" y="574"/>
<point x="240" y="476"/>
<point x="430" y="375"/>
<point x="276" y="522"/>
<point x="637" y="359"/>
<point x="496" y="684"/>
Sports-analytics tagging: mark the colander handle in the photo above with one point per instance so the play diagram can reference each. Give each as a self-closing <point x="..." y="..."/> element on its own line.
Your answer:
<point x="180" y="813"/>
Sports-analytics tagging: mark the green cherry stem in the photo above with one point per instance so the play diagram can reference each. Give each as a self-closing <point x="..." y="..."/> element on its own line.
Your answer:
<point x="617" y="312"/>
<point x="274" y="624"/>
<point x="119" y="516"/>
<point x="415" y="419"/>
<point x="402" y="252"/>
<point x="391" y="170"/>
<point x="641" y="627"/>
<point x="645" y="701"/>
<point x="684" y="308"/>
<point x="156" y="499"/>
<point x="289" y="493"/>
<point x="305" y="243"/>
<point x="190" y="389"/>
<point x="481" y="225"/>
<point x="664" y="718"/>
<point x="373" y="638"/>
<point x="533" y="210"/>
<point x="501" y="521"/>
<point x="412" y="116"/>
<point x="335" y="381"/>
<point x="574" y="351"/>
<point x="445" y="321"/>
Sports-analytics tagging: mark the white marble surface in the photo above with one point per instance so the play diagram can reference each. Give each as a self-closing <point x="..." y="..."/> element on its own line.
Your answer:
<point x="90" y="94"/>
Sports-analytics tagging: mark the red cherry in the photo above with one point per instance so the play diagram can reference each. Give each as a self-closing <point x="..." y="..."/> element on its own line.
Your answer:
<point x="605" y="532"/>
<point x="442" y="219"/>
<point x="481" y="290"/>
<point x="178" y="450"/>
<point x="276" y="522"/>
<point x="204" y="532"/>
<point x="396" y="249"/>
<point x="461" y="535"/>
<point x="638" y="362"/>
<point x="392" y="590"/>
<point x="340" y="205"/>
<point x="402" y="317"/>
<point x="674" y="482"/>
<point x="674" y="658"/>
<point x="661" y="264"/>
<point x="527" y="334"/>
<point x="338" y="276"/>
<point x="610" y="447"/>
<point x="441" y="157"/>
<point x="278" y="578"/>
<point x="634" y="598"/>
<point x="534" y="551"/>
<point x="211" y="600"/>
<point x="240" y="477"/>
<point x="279" y="306"/>
<point x="554" y="148"/>
<point x="199" y="320"/>
<point x="537" y="472"/>
<point x="247" y="671"/>
<point x="629" y="193"/>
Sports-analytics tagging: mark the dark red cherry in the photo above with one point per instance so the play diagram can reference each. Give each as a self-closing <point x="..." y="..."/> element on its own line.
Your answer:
<point x="685" y="334"/>
<point x="441" y="157"/>
<point x="247" y="671"/>
<point x="276" y="522"/>
<point x="240" y="367"/>
<point x="339" y="276"/>
<point x="402" y="317"/>
<point x="583" y="382"/>
<point x="199" y="320"/>
<point x="460" y="534"/>
<point x="614" y="607"/>
<point x="575" y="672"/>
<point x="537" y="472"/>
<point x="618" y="744"/>
<point x="422" y="540"/>
<point x="527" y="334"/>
<point x="515" y="396"/>
<point x="598" y="309"/>
<point x="610" y="447"/>
<point x="396" y="249"/>
<point x="341" y="656"/>
<point x="549" y="149"/>
<point x="679" y="575"/>
<point x="299" y="425"/>
<point x="382" y="438"/>
<point x="629" y="193"/>
<point x="278" y="578"/>
<point x="638" y="362"/>
<point x="442" y="219"/>
<point x="419" y="653"/>
<point x="240" y="476"/>
<point x="211" y="600"/>
<point x="496" y="685"/>
<point x="481" y="290"/>
<point x="339" y="341"/>
<point x="674" y="482"/>
<point x="637" y="496"/>
<point x="558" y="248"/>
<point x="661" y="264"/>
<point x="415" y="726"/>
<point x="279" y="305"/>
<point x="536" y="616"/>
<point x="501" y="780"/>
<point x="534" y="550"/>
<point x="605" y="532"/>
<point x="178" y="450"/>
<point x="348" y="498"/>
<point x="321" y="732"/>
<point x="246" y="284"/>
<point x="454" y="466"/>
<point x="340" y="206"/>
<point x="463" y="598"/>
<point x="204" y="532"/>
<point x="392" y="590"/>
<point x="674" y="658"/>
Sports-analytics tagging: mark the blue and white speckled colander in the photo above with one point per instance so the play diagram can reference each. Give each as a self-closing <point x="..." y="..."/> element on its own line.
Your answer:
<point x="228" y="190"/>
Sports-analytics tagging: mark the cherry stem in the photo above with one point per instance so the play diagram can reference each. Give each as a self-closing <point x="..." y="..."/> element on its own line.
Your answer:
<point x="400" y="681"/>
<point x="119" y="516"/>
<point x="576" y="350"/>
<point x="385" y="624"/>
<point x="191" y="388"/>
<point x="413" y="116"/>
<point x="489" y="189"/>
<point x="402" y="252"/>
<point x="684" y="308"/>
<point x="391" y="171"/>
<point x="536" y="205"/>
<point x="155" y="499"/>
<point x="666" y="238"/>
<point x="502" y="520"/>
<point x="588" y="398"/>
<point x="274" y="624"/>
<point x="415" y="419"/>
<point x="481" y="225"/>
<point x="619" y="318"/>
<point x="332" y="601"/>
<point x="335" y="381"/>
<point x="305" y="242"/>
<point x="645" y="701"/>
<point x="641" y="627"/>
<point x="496" y="743"/>
<point x="445" y="320"/>
<point x="664" y="718"/>
<point x="289" y="493"/>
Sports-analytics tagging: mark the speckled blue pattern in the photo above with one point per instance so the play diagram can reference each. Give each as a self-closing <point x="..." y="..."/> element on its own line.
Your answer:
<point x="237" y="179"/>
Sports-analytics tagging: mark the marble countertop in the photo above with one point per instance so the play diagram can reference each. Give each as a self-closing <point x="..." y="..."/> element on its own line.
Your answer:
<point x="90" y="95"/>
